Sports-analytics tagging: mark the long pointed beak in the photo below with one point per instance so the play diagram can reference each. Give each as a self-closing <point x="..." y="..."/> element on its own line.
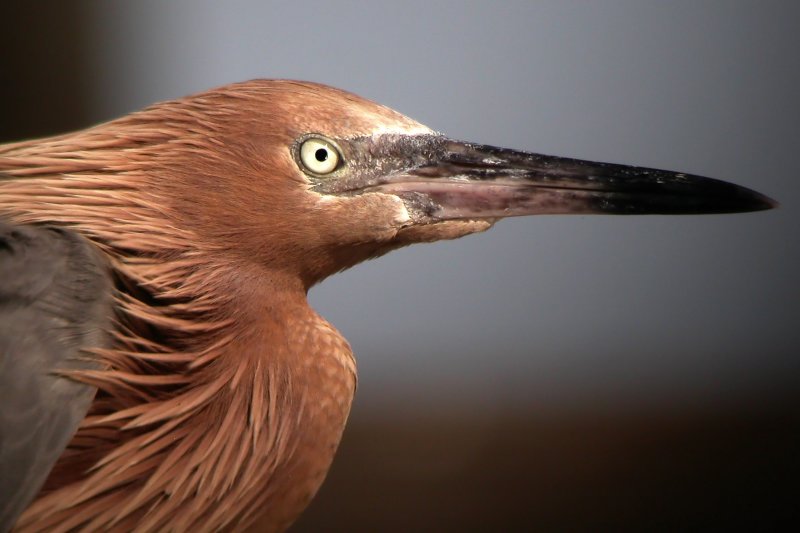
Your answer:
<point x="459" y="180"/>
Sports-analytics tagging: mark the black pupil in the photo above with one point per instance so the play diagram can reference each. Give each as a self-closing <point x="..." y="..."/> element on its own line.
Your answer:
<point x="321" y="154"/>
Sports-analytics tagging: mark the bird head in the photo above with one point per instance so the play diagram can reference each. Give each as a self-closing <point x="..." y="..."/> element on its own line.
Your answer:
<point x="307" y="177"/>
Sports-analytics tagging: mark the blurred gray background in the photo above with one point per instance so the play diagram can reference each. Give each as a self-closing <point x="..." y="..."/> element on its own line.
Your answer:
<point x="499" y="351"/>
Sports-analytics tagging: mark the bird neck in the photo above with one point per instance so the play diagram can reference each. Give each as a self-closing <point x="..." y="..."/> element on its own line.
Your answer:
<point x="246" y="403"/>
<point x="302" y="377"/>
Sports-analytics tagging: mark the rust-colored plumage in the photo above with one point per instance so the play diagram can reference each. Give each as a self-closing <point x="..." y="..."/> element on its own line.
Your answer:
<point x="223" y="396"/>
<point x="202" y="361"/>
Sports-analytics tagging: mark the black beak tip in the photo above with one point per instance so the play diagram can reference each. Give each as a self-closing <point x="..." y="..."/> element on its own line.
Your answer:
<point x="697" y="196"/>
<point x="749" y="200"/>
<point x="765" y="202"/>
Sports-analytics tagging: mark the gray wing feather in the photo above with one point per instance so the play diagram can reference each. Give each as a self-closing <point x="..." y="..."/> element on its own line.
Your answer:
<point x="55" y="301"/>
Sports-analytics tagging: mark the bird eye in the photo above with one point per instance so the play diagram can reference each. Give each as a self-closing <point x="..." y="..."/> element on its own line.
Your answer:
<point x="319" y="156"/>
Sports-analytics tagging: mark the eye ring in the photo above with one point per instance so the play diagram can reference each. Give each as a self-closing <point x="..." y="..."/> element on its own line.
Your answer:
<point x="319" y="155"/>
